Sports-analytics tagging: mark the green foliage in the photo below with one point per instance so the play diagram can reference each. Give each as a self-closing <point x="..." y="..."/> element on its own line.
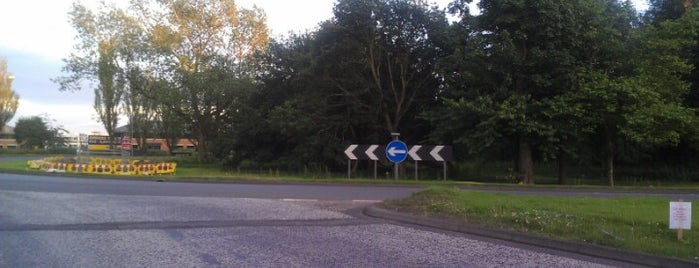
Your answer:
<point x="553" y="76"/>
<point x="582" y="82"/>
<point x="109" y="91"/>
<point x="507" y="78"/>
<point x="36" y="133"/>
<point x="197" y="48"/>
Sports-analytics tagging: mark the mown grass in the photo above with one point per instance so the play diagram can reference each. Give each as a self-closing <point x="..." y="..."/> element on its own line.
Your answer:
<point x="13" y="165"/>
<point x="191" y="169"/>
<point x="638" y="224"/>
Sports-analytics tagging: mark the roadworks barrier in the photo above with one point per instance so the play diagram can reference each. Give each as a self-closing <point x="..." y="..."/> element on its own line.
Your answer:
<point x="102" y="166"/>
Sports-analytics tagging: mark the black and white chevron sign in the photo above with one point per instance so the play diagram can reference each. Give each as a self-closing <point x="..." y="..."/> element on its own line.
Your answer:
<point x="364" y="152"/>
<point x="438" y="153"/>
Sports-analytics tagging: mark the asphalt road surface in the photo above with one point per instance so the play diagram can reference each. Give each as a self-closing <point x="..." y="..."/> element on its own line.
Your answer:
<point x="79" y="222"/>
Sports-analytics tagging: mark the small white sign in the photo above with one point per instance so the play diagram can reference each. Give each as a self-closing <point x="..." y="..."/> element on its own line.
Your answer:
<point x="681" y="215"/>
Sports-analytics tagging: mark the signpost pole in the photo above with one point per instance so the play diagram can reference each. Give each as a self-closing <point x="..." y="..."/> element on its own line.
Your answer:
<point x="395" y="136"/>
<point x="375" y="177"/>
<point x="79" y="148"/>
<point x="679" y="230"/>
<point x="445" y="170"/>
<point x="349" y="168"/>
<point x="415" y="169"/>
<point x="395" y="171"/>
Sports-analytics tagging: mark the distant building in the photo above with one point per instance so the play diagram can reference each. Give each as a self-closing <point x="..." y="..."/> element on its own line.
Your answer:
<point x="7" y="140"/>
<point x="154" y="143"/>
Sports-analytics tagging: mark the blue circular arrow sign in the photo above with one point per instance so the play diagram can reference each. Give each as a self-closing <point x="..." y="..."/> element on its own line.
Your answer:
<point x="396" y="151"/>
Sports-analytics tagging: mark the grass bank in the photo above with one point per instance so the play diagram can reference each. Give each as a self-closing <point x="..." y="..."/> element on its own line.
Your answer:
<point x="638" y="224"/>
<point x="190" y="169"/>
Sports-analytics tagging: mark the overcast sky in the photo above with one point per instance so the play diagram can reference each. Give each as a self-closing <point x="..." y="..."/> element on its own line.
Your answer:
<point x="35" y="35"/>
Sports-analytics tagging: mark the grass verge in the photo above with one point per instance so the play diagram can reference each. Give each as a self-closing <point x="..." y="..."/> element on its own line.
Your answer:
<point x="638" y="224"/>
<point x="213" y="173"/>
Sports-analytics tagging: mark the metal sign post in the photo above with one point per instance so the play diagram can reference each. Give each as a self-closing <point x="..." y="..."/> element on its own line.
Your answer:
<point x="396" y="152"/>
<point x="413" y="153"/>
<point x="395" y="136"/>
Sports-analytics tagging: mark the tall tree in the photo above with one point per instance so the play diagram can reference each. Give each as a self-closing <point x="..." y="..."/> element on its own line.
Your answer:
<point x="670" y="10"/>
<point x="9" y="100"/>
<point x="510" y="65"/>
<point x="169" y="125"/>
<point x="638" y="95"/>
<point x="197" y="38"/>
<point x="109" y="90"/>
<point x="139" y="107"/>
<point x="106" y="41"/>
<point x="307" y="117"/>
<point x="393" y="46"/>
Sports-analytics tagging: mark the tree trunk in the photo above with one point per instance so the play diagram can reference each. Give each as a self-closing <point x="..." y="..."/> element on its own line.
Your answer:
<point x="561" y="168"/>
<point x="203" y="150"/>
<point x="610" y="160"/>
<point x="526" y="164"/>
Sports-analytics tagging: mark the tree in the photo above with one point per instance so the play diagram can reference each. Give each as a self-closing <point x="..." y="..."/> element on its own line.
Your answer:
<point x="107" y="37"/>
<point x="109" y="90"/>
<point x="300" y="117"/>
<point x="37" y="132"/>
<point x="662" y="10"/>
<point x="393" y="47"/>
<point x="367" y="72"/>
<point x="9" y="100"/>
<point x="140" y="108"/>
<point x="672" y="10"/>
<point x="181" y="41"/>
<point x="197" y="38"/>
<point x="509" y="67"/>
<point x="169" y="125"/>
<point x="638" y="95"/>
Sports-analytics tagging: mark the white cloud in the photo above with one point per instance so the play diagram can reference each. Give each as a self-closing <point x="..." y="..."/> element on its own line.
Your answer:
<point x="76" y="118"/>
<point x="296" y="16"/>
<point x="37" y="26"/>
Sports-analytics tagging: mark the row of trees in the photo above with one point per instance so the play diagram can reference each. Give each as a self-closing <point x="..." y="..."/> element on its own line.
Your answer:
<point x="522" y="80"/>
<point x="167" y="65"/>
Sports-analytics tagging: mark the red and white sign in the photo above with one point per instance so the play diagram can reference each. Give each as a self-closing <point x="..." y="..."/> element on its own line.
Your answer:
<point x="126" y="143"/>
<point x="681" y="215"/>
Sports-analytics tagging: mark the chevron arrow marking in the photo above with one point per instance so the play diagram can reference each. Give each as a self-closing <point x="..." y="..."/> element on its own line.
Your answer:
<point x="370" y="152"/>
<point x="413" y="152"/>
<point x="435" y="153"/>
<point x="349" y="152"/>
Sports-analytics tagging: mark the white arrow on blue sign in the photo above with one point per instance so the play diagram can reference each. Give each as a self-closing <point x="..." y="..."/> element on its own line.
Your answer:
<point x="396" y="151"/>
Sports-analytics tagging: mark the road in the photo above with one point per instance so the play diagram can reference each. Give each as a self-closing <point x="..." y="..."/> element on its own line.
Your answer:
<point x="79" y="222"/>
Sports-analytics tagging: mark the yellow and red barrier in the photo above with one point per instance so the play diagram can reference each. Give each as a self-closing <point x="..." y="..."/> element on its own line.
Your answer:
<point x="102" y="166"/>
